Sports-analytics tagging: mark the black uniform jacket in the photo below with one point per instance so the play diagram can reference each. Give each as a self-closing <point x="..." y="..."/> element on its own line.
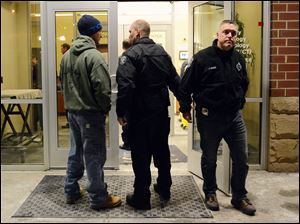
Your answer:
<point x="144" y="74"/>
<point x="217" y="81"/>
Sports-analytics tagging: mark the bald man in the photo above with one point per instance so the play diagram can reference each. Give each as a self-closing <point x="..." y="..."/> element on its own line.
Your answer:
<point x="144" y="74"/>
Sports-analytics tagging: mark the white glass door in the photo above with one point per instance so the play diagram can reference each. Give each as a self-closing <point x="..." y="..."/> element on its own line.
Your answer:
<point x="206" y="18"/>
<point x="61" y="28"/>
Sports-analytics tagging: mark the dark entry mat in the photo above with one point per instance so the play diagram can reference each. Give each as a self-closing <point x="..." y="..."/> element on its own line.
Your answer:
<point x="176" y="155"/>
<point x="48" y="201"/>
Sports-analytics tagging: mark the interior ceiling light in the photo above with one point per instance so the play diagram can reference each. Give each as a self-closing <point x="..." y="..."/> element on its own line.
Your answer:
<point x="62" y="38"/>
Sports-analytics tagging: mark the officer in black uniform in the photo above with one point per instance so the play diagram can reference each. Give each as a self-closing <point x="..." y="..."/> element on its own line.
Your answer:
<point x="144" y="74"/>
<point x="217" y="80"/>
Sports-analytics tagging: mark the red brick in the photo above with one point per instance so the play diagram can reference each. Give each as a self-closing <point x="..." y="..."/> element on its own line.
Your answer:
<point x="274" y="50"/>
<point x="288" y="67"/>
<point x="293" y="42"/>
<point x="273" y="68"/>
<point x="288" y="16"/>
<point x="278" y="42"/>
<point x="274" y="33"/>
<point x="293" y="7"/>
<point x="288" y="33"/>
<point x="288" y="84"/>
<point x="277" y="75"/>
<point x="273" y="84"/>
<point x="274" y="16"/>
<point x="292" y="75"/>
<point x="277" y="92"/>
<point x="293" y="25"/>
<point x="288" y="50"/>
<point x="278" y="59"/>
<point x="279" y="7"/>
<point x="292" y="92"/>
<point x="278" y="25"/>
<point x="292" y="59"/>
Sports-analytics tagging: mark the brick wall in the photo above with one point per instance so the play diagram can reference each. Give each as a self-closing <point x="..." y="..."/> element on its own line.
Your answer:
<point x="283" y="153"/>
<point x="284" y="49"/>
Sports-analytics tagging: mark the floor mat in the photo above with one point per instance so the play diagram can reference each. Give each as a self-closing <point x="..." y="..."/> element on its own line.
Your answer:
<point x="176" y="155"/>
<point x="48" y="201"/>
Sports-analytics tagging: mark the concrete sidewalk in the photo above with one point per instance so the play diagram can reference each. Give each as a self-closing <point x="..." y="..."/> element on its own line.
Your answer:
<point x="275" y="195"/>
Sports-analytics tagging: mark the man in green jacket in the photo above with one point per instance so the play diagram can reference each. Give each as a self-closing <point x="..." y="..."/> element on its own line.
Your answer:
<point x="87" y="90"/>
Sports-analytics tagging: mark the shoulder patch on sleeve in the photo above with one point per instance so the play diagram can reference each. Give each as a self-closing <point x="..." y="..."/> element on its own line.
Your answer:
<point x="238" y="66"/>
<point x="123" y="60"/>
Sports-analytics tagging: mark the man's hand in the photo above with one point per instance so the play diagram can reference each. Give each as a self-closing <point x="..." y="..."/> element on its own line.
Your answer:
<point x="122" y="121"/>
<point x="187" y="116"/>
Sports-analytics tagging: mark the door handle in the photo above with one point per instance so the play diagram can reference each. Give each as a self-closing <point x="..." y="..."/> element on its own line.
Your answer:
<point x="114" y="85"/>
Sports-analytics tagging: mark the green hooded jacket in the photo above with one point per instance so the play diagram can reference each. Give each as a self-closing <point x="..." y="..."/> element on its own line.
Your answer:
<point x="85" y="79"/>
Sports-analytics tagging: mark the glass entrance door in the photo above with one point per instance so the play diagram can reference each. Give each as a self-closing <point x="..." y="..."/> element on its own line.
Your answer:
<point x="61" y="19"/>
<point x="206" y="18"/>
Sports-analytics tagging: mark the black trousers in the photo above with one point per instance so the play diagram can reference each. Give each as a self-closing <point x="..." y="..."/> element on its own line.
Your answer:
<point x="232" y="128"/>
<point x="149" y="138"/>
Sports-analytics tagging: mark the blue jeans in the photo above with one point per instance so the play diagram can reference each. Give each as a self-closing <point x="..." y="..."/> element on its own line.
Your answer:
<point x="232" y="128"/>
<point x="87" y="150"/>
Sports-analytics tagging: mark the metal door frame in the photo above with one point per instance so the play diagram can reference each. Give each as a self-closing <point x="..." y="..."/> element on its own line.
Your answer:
<point x="194" y="157"/>
<point x="57" y="158"/>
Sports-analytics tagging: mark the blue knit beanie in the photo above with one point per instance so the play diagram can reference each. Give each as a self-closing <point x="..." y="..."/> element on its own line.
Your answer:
<point x="88" y="25"/>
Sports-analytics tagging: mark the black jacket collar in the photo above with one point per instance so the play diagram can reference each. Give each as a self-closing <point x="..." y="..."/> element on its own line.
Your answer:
<point x="144" y="40"/>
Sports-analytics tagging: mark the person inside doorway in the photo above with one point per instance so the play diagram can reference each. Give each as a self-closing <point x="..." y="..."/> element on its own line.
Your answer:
<point x="184" y="123"/>
<point x="144" y="75"/>
<point x="217" y="79"/>
<point x="125" y="134"/>
<point x="36" y="84"/>
<point x="63" y="49"/>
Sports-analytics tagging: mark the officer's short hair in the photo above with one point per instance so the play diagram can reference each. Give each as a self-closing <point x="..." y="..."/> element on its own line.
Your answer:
<point x="228" y="21"/>
<point x="143" y="26"/>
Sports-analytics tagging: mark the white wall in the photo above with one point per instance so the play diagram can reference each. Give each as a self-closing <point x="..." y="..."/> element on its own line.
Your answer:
<point x="152" y="12"/>
<point x="15" y="61"/>
<point x="8" y="51"/>
<point x="180" y="31"/>
<point x="157" y="13"/>
<point x="23" y="46"/>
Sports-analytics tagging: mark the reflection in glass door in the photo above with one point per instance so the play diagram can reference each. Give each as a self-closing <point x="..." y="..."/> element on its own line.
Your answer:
<point x="62" y="18"/>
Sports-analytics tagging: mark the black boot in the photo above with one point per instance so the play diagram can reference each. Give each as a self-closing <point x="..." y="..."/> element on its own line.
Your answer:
<point x="164" y="195"/>
<point x="138" y="202"/>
